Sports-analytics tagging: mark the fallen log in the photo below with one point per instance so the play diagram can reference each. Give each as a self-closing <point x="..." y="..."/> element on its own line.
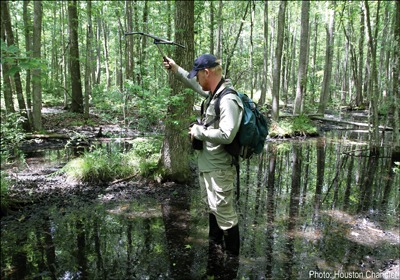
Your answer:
<point x="46" y="136"/>
<point x="385" y="128"/>
<point x="297" y="115"/>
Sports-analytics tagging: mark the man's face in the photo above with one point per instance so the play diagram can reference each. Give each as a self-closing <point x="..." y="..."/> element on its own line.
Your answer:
<point x="201" y="78"/>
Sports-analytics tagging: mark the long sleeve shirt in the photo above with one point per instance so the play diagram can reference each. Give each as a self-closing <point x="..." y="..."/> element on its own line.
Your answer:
<point x="213" y="156"/>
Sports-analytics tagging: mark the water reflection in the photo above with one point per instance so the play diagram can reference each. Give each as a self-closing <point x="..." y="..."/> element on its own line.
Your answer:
<point x="176" y="217"/>
<point x="306" y="207"/>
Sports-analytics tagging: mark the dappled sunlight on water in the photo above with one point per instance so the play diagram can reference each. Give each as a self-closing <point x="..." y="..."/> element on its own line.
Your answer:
<point x="361" y="230"/>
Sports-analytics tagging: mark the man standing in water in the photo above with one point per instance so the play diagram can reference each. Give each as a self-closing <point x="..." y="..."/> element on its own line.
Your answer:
<point x="216" y="169"/>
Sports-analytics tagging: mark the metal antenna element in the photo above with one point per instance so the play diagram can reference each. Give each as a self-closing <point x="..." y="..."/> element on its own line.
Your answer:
<point x="157" y="40"/>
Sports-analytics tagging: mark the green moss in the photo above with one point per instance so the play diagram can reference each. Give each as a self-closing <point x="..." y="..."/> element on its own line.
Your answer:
<point x="297" y="126"/>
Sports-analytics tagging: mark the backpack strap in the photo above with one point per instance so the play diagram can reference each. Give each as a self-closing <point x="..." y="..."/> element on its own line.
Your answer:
<point x="235" y="159"/>
<point x="217" y="109"/>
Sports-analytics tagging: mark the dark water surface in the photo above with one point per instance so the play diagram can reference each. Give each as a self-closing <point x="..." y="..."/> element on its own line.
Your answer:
<point x="314" y="209"/>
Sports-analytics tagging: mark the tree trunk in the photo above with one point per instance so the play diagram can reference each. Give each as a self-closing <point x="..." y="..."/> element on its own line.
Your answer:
<point x="65" y="62"/>
<point x="374" y="99"/>
<point x="345" y="84"/>
<point x="88" y="62"/>
<point x="119" y="60"/>
<point x="288" y="57"/>
<point x="75" y="70"/>
<point x="212" y="27"/>
<point x="169" y="21"/>
<point x="277" y="62"/>
<point x="98" y="50"/>
<point x="129" y="54"/>
<point x="219" y="32"/>
<point x="17" y="77"/>
<point x="251" y="63"/>
<point x="144" y="29"/>
<point x="28" y="47"/>
<point x="291" y="68"/>
<point x="105" y="50"/>
<point x="359" y="89"/>
<point x="36" y="72"/>
<point x="302" y="73"/>
<point x="232" y="50"/>
<point x="326" y="83"/>
<point x="314" y="77"/>
<point x="396" y="79"/>
<point x="176" y="147"/>
<point x="264" y="82"/>
<point x="5" y="67"/>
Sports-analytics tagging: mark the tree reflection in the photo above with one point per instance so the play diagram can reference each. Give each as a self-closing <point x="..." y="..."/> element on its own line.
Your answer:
<point x="367" y="184"/>
<point x="270" y="211"/>
<point x="81" y="249"/>
<point x="320" y="175"/>
<point x="176" y="217"/>
<point x="293" y="210"/>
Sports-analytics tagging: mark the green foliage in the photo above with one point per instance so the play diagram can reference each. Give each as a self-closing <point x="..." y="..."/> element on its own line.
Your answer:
<point x="4" y="195"/>
<point x="108" y="101"/>
<point x="11" y="134"/>
<point x="297" y="126"/>
<point x="149" y="76"/>
<point x="105" y="164"/>
<point x="145" y="147"/>
<point x="96" y="166"/>
<point x="284" y="148"/>
<point x="142" y="106"/>
<point x="303" y="125"/>
<point x="12" y="55"/>
<point x="149" y="106"/>
<point x="384" y="108"/>
<point x="144" y="155"/>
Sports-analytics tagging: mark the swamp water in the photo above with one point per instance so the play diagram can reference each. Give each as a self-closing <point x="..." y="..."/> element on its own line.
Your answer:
<point x="313" y="209"/>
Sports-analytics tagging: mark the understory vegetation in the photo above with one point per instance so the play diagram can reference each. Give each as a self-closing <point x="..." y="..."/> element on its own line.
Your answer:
<point x="11" y="135"/>
<point x="297" y="126"/>
<point x="4" y="195"/>
<point x="104" y="164"/>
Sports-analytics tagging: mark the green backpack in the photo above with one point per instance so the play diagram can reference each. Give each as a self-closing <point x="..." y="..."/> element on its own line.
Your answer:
<point x="253" y="129"/>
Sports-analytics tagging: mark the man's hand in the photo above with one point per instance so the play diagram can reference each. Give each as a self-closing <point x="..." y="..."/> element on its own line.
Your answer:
<point x="170" y="64"/>
<point x="191" y="132"/>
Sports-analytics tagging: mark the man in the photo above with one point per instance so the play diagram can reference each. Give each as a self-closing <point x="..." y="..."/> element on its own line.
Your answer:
<point x="216" y="169"/>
